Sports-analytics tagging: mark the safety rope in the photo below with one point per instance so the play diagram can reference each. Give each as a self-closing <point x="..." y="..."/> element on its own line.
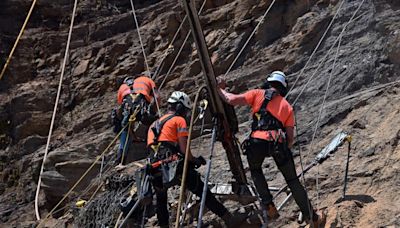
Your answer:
<point x="54" y="110"/>
<point x="322" y="109"/>
<point x="186" y="160"/>
<point x="144" y="54"/>
<point x="87" y="189"/>
<point x="326" y="56"/>
<point x="316" y="48"/>
<point x="181" y="47"/>
<point x="140" y="36"/>
<point x="302" y="170"/>
<point x="362" y="92"/>
<point x="170" y="46"/>
<point x="325" y="96"/>
<point x="126" y="143"/>
<point x="248" y="39"/>
<point x="21" y="32"/>
<point x="82" y="177"/>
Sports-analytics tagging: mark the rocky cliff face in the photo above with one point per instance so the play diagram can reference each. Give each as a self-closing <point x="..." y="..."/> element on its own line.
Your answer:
<point x="105" y="48"/>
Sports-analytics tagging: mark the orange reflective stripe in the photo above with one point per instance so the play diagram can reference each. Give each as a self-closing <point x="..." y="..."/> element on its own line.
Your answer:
<point x="144" y="85"/>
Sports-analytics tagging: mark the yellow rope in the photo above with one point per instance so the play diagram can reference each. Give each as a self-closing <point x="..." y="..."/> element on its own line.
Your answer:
<point x="126" y="143"/>
<point x="81" y="178"/>
<point x="95" y="192"/>
<point x="18" y="38"/>
<point x="118" y="219"/>
<point x="185" y="164"/>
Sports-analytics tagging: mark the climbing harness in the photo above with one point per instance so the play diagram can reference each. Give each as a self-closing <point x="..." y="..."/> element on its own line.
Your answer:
<point x="21" y="32"/>
<point x="130" y="117"/>
<point x="156" y="129"/>
<point x="55" y="109"/>
<point x="263" y="120"/>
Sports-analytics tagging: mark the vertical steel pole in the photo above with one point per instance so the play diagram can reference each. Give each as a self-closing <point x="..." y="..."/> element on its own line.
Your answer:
<point x="205" y="187"/>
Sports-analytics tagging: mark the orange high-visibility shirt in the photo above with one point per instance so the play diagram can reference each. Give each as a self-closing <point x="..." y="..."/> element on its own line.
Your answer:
<point x="279" y="107"/>
<point x="122" y="92"/>
<point x="173" y="129"/>
<point x="144" y="85"/>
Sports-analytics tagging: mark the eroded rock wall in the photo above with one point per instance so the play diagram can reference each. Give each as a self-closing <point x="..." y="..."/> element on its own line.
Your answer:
<point x="105" y="48"/>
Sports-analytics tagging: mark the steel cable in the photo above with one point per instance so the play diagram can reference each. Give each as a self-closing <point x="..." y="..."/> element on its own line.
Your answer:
<point x="326" y="93"/>
<point x="327" y="54"/>
<point x="181" y="47"/>
<point x="248" y="39"/>
<point x="144" y="54"/>
<point x="316" y="47"/>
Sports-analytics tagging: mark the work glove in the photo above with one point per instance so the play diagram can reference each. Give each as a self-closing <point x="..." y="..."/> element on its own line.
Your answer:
<point x="199" y="161"/>
<point x="221" y="83"/>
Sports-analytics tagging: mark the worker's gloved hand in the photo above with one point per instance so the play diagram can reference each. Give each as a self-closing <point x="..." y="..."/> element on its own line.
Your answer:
<point x="221" y="82"/>
<point x="199" y="161"/>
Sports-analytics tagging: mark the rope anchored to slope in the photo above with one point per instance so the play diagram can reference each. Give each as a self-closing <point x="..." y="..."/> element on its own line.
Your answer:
<point x="54" y="110"/>
<point x="21" y="32"/>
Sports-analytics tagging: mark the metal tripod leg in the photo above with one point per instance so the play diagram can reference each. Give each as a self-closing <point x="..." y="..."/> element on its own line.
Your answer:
<point x="205" y="188"/>
<point x="139" y="200"/>
<point x="347" y="167"/>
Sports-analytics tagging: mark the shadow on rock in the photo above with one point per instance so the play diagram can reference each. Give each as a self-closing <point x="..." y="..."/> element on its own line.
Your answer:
<point x="360" y="198"/>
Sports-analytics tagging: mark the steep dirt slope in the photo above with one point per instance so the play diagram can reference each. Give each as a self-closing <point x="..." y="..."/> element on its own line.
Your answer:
<point x="105" y="48"/>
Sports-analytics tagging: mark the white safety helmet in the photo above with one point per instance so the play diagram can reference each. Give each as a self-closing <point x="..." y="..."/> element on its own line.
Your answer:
<point x="278" y="76"/>
<point x="183" y="98"/>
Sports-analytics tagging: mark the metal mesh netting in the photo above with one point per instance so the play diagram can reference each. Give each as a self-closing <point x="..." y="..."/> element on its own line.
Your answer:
<point x="104" y="209"/>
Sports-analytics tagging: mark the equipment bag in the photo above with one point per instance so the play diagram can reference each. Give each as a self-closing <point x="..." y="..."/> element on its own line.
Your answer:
<point x="115" y="121"/>
<point x="170" y="172"/>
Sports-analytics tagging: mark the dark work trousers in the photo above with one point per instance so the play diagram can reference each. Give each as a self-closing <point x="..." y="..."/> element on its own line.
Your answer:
<point x="195" y="185"/>
<point x="256" y="153"/>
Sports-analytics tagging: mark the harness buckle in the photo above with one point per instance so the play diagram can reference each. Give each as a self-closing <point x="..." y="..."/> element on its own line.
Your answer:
<point x="258" y="116"/>
<point x="155" y="147"/>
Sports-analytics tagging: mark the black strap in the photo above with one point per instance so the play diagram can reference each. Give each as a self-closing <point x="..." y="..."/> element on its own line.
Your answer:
<point x="269" y="93"/>
<point x="158" y="125"/>
<point x="263" y="119"/>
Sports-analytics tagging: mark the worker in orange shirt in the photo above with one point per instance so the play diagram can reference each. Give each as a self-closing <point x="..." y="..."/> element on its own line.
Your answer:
<point x="272" y="136"/>
<point x="134" y="96"/>
<point x="167" y="137"/>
